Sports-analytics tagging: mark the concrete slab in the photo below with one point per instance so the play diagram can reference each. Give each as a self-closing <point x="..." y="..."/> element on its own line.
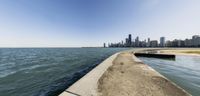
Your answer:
<point x="87" y="85"/>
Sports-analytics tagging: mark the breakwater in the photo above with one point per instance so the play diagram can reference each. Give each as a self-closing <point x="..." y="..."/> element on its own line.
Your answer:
<point x="87" y="86"/>
<point x="103" y="81"/>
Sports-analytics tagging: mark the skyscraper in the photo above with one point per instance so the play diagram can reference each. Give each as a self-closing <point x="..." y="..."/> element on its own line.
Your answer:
<point x="137" y="42"/>
<point x="129" y="40"/>
<point x="148" y="42"/>
<point x="162" y="41"/>
<point x="104" y="45"/>
<point x="126" y="42"/>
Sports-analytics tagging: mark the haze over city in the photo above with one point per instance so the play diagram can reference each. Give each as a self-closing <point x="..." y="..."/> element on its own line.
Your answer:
<point x="77" y="23"/>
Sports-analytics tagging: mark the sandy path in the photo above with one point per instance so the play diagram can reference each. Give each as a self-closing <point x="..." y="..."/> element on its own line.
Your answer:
<point x="127" y="77"/>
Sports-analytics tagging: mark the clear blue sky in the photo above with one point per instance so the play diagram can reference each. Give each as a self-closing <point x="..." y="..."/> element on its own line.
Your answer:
<point x="75" y="23"/>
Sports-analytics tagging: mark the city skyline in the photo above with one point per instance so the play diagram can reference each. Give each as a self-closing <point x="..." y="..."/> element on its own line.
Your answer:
<point x="90" y="23"/>
<point x="193" y="41"/>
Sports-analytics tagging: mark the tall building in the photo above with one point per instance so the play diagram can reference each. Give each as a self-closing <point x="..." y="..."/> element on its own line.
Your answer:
<point x="181" y="43"/>
<point x="188" y="42"/>
<point x="162" y="41"/>
<point x="137" y="42"/>
<point x="104" y="45"/>
<point x="168" y="44"/>
<point x="175" y="43"/>
<point x="196" y="40"/>
<point x="148" y="42"/>
<point x="129" y="40"/>
<point x="143" y="43"/>
<point x="126" y="42"/>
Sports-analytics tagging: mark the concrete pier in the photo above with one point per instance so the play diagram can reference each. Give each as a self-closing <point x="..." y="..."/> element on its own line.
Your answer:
<point x="88" y="85"/>
<point x="123" y="74"/>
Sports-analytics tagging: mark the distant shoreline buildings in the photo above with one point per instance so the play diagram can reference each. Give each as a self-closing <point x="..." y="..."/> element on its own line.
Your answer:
<point x="129" y="42"/>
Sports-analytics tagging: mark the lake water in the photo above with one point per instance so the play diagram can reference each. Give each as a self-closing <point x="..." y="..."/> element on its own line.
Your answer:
<point x="46" y="71"/>
<point x="184" y="71"/>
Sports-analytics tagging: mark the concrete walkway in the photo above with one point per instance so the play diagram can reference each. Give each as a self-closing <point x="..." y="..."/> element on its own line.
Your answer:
<point x="123" y="74"/>
<point x="130" y="77"/>
<point x="87" y="85"/>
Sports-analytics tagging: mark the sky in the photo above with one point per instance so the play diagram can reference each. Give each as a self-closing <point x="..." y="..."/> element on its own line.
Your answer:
<point x="81" y="23"/>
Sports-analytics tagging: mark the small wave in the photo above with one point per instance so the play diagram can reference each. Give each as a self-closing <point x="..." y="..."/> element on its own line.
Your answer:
<point x="60" y="85"/>
<point x="6" y="73"/>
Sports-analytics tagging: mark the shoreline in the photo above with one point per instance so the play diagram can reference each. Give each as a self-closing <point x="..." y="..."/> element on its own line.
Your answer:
<point x="123" y="74"/>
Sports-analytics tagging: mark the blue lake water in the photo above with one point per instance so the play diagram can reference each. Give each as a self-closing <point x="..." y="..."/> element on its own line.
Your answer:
<point x="184" y="71"/>
<point x="46" y="71"/>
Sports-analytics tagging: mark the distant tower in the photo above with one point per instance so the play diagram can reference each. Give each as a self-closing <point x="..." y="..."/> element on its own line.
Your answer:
<point x="137" y="42"/>
<point x="126" y="42"/>
<point x="162" y="41"/>
<point x="154" y="43"/>
<point x="148" y="42"/>
<point x="195" y="40"/>
<point x="129" y="40"/>
<point x="104" y="45"/>
<point x="109" y="45"/>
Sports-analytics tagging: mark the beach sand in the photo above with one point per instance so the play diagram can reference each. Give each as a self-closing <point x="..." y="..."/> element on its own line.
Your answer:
<point x="130" y="77"/>
<point x="181" y="51"/>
